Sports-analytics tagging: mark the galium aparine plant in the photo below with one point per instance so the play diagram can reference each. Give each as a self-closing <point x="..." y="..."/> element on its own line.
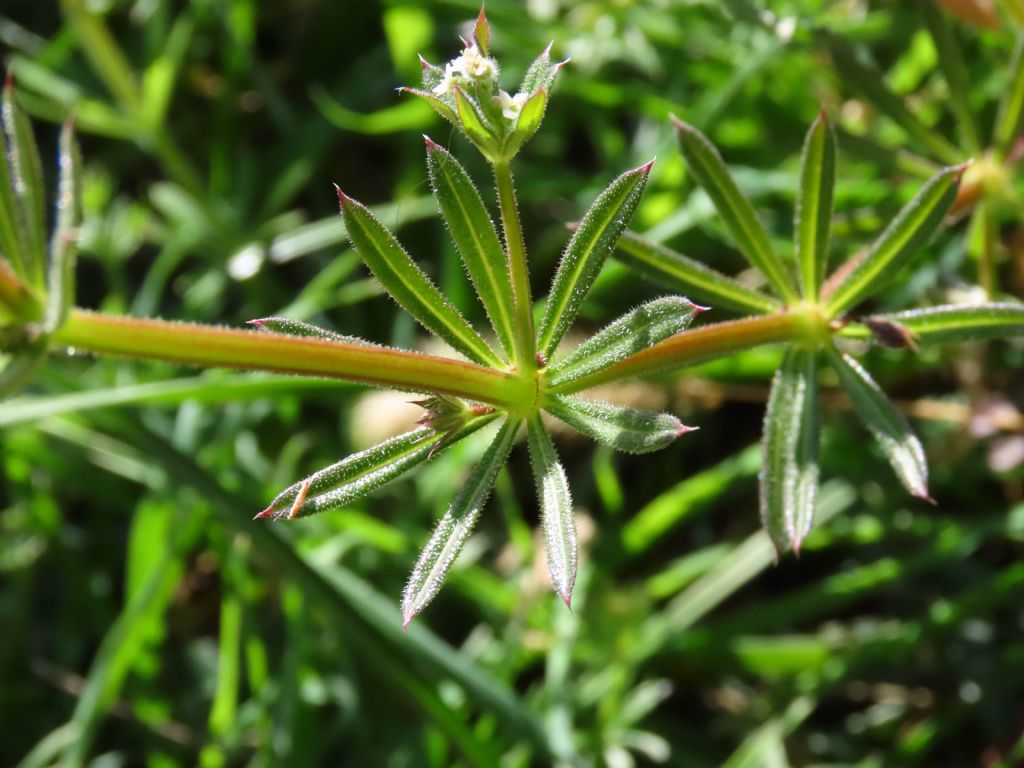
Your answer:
<point x="507" y="385"/>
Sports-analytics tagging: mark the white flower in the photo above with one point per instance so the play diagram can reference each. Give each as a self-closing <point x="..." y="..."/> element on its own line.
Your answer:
<point x="468" y="68"/>
<point x="511" y="106"/>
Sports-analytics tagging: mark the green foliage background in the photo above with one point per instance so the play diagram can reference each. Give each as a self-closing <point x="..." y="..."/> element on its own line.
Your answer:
<point x="148" y="621"/>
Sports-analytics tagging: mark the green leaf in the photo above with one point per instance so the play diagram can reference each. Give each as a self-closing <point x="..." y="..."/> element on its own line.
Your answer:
<point x="20" y="367"/>
<point x="593" y="241"/>
<point x="27" y="183"/>
<point x="1011" y="108"/>
<point x="858" y="72"/>
<point x="475" y="238"/>
<point x="482" y="33"/>
<point x="677" y="272"/>
<point x="291" y="327"/>
<point x="473" y="122"/>
<point x="361" y="473"/>
<point x="624" y="429"/>
<point x="529" y="120"/>
<point x="445" y="544"/>
<point x="407" y="283"/>
<point x="789" y="451"/>
<point x="634" y="331"/>
<point x="60" y="288"/>
<point x="953" y="323"/>
<point x="736" y="211"/>
<point x="888" y="425"/>
<point x="814" y="204"/>
<point x="541" y="73"/>
<point x="908" y="233"/>
<point x="556" y="508"/>
<point x="437" y="104"/>
<point x="954" y="70"/>
<point x="13" y="246"/>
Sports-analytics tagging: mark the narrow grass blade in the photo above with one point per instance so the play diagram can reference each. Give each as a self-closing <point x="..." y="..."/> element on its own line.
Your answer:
<point x="814" y="204"/>
<point x="941" y="325"/>
<point x="60" y="288"/>
<point x="407" y="283"/>
<point x="291" y="327"/>
<point x="954" y="70"/>
<point x="888" y="425"/>
<point x="910" y="231"/>
<point x="27" y="183"/>
<point x="454" y="528"/>
<point x="858" y="72"/>
<point x="1011" y="108"/>
<point x="680" y="273"/>
<point x="593" y="241"/>
<point x="361" y="473"/>
<point x="738" y="215"/>
<point x="625" y="429"/>
<point x="634" y="331"/>
<point x="476" y="240"/>
<point x="789" y="451"/>
<point x="556" y="508"/>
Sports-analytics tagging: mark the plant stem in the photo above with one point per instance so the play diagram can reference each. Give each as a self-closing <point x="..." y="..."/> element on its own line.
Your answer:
<point x="526" y="351"/>
<point x="207" y="346"/>
<point x="698" y="345"/>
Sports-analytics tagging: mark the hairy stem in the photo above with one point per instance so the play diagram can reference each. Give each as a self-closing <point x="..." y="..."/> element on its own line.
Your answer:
<point x="525" y="343"/>
<point x="204" y="345"/>
<point x="695" y="346"/>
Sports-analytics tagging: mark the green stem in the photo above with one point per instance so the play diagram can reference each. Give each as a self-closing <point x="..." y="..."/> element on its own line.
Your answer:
<point x="698" y="345"/>
<point x="526" y="351"/>
<point x="204" y="345"/>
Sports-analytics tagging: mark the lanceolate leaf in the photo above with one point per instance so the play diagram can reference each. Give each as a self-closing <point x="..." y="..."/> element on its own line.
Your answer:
<point x="681" y="273"/>
<point x="475" y="239"/>
<point x="789" y="451"/>
<point x="27" y="179"/>
<point x="888" y="425"/>
<point x="291" y="327"/>
<point x="541" y="73"/>
<point x="814" y="205"/>
<point x="1011" y="109"/>
<point x="737" y="213"/>
<point x="634" y="331"/>
<point x="593" y="241"/>
<point x="60" y="288"/>
<point x="407" y="284"/>
<point x="902" y="239"/>
<point x="624" y="429"/>
<point x="439" y="106"/>
<point x="556" y="508"/>
<point x="13" y="242"/>
<point x="939" y="325"/>
<point x="357" y="475"/>
<point x="454" y="528"/>
<point x="473" y="121"/>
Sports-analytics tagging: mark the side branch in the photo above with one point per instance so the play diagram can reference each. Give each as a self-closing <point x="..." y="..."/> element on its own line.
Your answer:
<point x="695" y="346"/>
<point x="211" y="346"/>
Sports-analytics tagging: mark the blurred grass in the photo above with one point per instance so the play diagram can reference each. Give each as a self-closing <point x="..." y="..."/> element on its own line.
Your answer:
<point x="149" y="621"/>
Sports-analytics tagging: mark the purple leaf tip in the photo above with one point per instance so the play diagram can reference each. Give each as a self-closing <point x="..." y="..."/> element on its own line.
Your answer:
<point x="342" y="197"/>
<point x="268" y="512"/>
<point x="431" y="144"/>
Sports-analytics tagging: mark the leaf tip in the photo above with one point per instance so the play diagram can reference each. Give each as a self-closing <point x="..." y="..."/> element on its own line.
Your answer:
<point x="566" y="598"/>
<point x="407" y="618"/>
<point x="268" y="512"/>
<point x="259" y="323"/>
<point x="645" y="169"/>
<point x="431" y="144"/>
<point x="698" y="309"/>
<point x="343" y="199"/>
<point x="423" y="63"/>
<point x="960" y="170"/>
<point x="683" y="429"/>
